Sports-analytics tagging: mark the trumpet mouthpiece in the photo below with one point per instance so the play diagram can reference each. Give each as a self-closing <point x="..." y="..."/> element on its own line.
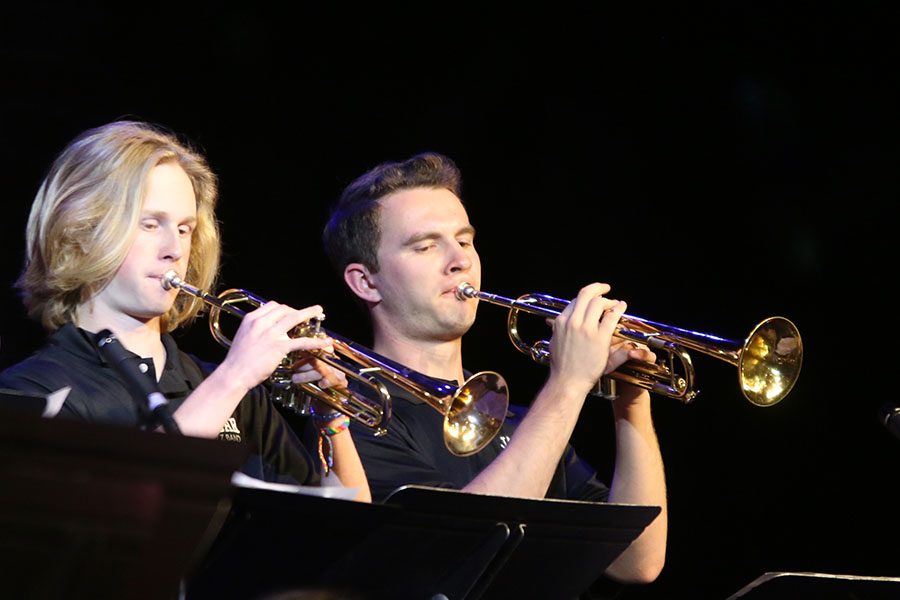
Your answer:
<point x="466" y="291"/>
<point x="170" y="279"/>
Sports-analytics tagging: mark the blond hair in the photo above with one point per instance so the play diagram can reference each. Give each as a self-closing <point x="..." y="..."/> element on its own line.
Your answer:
<point x="85" y="216"/>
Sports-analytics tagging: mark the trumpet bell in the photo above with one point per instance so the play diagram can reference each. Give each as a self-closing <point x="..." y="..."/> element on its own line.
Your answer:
<point x="473" y="412"/>
<point x="769" y="363"/>
<point x="476" y="413"/>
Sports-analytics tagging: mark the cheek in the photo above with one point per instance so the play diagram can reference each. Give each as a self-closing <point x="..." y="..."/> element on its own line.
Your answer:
<point x="400" y="271"/>
<point x="132" y="262"/>
<point x="401" y="282"/>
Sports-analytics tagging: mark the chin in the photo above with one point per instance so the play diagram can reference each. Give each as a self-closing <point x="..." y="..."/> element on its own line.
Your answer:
<point x="155" y="310"/>
<point x="457" y="329"/>
<point x="146" y="315"/>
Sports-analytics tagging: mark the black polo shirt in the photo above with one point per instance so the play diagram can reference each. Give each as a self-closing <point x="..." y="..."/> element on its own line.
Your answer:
<point x="413" y="452"/>
<point x="98" y="394"/>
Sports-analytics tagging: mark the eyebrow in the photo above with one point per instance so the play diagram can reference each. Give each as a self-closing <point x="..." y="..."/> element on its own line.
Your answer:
<point x="432" y="235"/>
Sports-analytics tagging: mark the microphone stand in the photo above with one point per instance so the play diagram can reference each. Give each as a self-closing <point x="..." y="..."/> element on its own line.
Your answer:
<point x="142" y="387"/>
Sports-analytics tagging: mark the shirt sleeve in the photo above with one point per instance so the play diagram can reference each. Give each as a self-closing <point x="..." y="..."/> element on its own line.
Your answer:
<point x="581" y="482"/>
<point x="278" y="453"/>
<point x="42" y="377"/>
<point x="16" y="378"/>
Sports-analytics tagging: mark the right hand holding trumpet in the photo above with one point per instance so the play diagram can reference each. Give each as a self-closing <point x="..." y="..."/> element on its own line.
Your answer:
<point x="583" y="347"/>
<point x="262" y="341"/>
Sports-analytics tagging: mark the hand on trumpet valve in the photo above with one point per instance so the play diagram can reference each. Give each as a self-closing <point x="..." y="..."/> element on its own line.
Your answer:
<point x="621" y="351"/>
<point x="263" y="340"/>
<point x="312" y="370"/>
<point x="581" y="346"/>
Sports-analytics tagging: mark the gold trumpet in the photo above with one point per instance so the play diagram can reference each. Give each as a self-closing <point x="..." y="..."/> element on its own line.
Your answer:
<point x="473" y="412"/>
<point x="768" y="361"/>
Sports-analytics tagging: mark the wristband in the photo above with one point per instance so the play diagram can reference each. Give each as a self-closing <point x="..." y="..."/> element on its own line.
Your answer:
<point x="320" y="418"/>
<point x="330" y="430"/>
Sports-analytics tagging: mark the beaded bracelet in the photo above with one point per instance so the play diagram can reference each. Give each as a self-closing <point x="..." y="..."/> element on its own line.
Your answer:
<point x="326" y="448"/>
<point x="326" y="455"/>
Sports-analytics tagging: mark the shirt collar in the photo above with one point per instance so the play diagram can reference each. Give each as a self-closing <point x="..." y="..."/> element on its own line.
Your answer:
<point x="79" y="342"/>
<point x="83" y="343"/>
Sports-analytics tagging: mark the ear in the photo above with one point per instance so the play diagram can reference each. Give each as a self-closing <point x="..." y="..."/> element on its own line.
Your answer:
<point x="360" y="282"/>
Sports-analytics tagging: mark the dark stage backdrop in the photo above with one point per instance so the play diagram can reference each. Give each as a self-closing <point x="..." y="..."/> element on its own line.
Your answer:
<point x="715" y="165"/>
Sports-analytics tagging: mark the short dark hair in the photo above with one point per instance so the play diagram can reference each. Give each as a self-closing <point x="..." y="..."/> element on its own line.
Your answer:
<point x="353" y="231"/>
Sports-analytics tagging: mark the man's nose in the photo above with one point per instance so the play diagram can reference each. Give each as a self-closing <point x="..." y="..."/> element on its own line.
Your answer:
<point x="460" y="260"/>
<point x="171" y="245"/>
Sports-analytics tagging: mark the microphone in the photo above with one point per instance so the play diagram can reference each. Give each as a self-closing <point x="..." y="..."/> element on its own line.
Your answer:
<point x="889" y="415"/>
<point x="141" y="386"/>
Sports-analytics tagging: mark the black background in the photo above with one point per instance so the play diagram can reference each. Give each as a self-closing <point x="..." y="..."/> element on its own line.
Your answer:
<point x="715" y="164"/>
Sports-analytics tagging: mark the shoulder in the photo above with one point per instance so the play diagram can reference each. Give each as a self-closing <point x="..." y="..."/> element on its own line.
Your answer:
<point x="43" y="371"/>
<point x="190" y="363"/>
<point x="48" y="371"/>
<point x="196" y="366"/>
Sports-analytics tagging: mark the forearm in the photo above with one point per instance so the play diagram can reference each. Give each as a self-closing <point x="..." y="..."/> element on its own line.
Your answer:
<point x="639" y="478"/>
<point x="526" y="467"/>
<point x="259" y="345"/>
<point x="209" y="406"/>
<point x="348" y="467"/>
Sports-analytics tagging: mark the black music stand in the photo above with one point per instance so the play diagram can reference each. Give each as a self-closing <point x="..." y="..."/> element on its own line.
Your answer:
<point x="822" y="586"/>
<point x="422" y="543"/>
<point x="103" y="512"/>
<point x="283" y="543"/>
<point x="556" y="549"/>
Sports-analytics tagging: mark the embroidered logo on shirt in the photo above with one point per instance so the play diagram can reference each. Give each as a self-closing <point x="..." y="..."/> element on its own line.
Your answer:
<point x="504" y="440"/>
<point x="230" y="431"/>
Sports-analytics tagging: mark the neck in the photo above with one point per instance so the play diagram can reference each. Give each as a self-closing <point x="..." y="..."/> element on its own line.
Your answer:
<point x="441" y="359"/>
